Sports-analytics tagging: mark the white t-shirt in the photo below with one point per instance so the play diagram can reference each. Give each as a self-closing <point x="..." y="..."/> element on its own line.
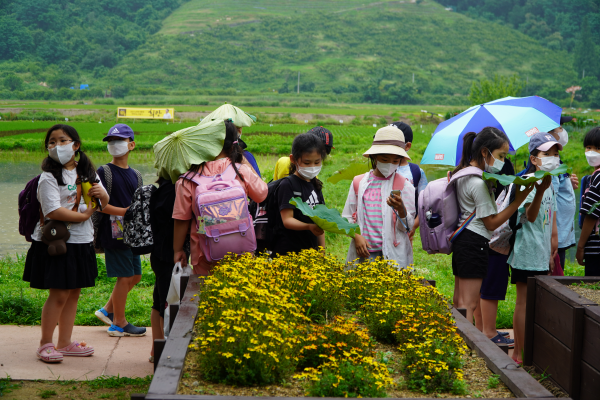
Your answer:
<point x="52" y="197"/>
<point x="473" y="193"/>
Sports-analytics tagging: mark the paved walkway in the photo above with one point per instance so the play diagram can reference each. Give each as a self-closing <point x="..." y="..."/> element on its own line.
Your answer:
<point x="126" y="356"/>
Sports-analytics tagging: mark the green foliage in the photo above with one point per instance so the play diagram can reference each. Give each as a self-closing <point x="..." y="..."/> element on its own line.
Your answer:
<point x="586" y="52"/>
<point x="325" y="218"/>
<point x="46" y="394"/>
<point x="6" y="386"/>
<point x="493" y="381"/>
<point x="506" y="180"/>
<point x="13" y="82"/>
<point x="496" y="88"/>
<point x="348" y="173"/>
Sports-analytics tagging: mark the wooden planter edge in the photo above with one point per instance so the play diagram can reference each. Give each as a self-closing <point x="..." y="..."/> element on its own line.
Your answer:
<point x="171" y="362"/>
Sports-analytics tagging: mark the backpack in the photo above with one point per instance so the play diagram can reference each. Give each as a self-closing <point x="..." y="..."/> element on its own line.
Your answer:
<point x="137" y="231"/>
<point x="439" y="213"/>
<point x="222" y="218"/>
<point x="503" y="238"/>
<point x="98" y="215"/>
<point x="29" y="208"/>
<point x="585" y="186"/>
<point x="267" y="215"/>
<point x="415" y="171"/>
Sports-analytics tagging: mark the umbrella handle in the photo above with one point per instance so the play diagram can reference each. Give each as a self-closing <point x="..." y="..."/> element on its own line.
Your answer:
<point x="215" y="184"/>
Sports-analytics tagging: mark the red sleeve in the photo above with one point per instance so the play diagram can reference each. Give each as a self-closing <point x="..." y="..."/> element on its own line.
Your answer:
<point x="184" y="191"/>
<point x="255" y="187"/>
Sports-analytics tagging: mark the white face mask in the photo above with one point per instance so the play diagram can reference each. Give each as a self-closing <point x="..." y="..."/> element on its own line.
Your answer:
<point x="386" y="169"/>
<point x="309" y="172"/>
<point x="550" y="163"/>
<point x="495" y="167"/>
<point x="118" y="148"/>
<point x="593" y="158"/>
<point x="62" y="154"/>
<point x="563" y="137"/>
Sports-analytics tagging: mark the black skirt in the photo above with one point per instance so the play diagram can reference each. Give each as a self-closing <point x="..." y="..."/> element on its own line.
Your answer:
<point x="470" y="255"/>
<point x="74" y="270"/>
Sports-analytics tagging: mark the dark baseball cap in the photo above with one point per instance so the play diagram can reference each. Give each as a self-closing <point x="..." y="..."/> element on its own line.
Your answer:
<point x="121" y="131"/>
<point x="406" y="129"/>
<point x="543" y="141"/>
<point x="324" y="134"/>
<point x="565" y="118"/>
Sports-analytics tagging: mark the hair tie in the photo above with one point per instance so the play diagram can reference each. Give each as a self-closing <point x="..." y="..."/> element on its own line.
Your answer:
<point x="236" y="142"/>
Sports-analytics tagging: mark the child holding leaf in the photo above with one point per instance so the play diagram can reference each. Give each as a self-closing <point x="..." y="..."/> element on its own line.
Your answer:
<point x="382" y="202"/>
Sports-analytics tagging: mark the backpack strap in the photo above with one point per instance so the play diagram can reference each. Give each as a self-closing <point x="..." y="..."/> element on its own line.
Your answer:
<point x="140" y="180"/>
<point x="108" y="178"/>
<point x="415" y="171"/>
<point x="356" y="182"/>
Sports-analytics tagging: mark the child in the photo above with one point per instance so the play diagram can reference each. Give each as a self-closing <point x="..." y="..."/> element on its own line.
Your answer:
<point x="256" y="189"/>
<point x="282" y="167"/>
<point x="295" y="231"/>
<point x="385" y="218"/>
<point x="532" y="252"/>
<point x="59" y="194"/>
<point x="410" y="171"/>
<point x="122" y="182"/>
<point x="486" y="151"/>
<point x="588" y="248"/>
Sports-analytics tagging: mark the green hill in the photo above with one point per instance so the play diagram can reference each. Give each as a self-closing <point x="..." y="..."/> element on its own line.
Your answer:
<point x="349" y="50"/>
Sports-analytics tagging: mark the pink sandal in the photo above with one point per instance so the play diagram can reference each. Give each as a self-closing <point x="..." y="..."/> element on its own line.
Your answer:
<point x="77" y="349"/>
<point x="48" y="353"/>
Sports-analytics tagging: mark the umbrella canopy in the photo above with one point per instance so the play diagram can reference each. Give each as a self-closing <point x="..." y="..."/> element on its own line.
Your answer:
<point x="175" y="154"/>
<point x="518" y="117"/>
<point x="228" y="111"/>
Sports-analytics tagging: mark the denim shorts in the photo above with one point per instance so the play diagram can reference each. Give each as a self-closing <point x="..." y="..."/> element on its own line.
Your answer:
<point x="122" y="263"/>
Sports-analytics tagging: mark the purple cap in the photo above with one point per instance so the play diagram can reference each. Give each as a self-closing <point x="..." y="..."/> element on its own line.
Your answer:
<point x="121" y="131"/>
<point x="543" y="141"/>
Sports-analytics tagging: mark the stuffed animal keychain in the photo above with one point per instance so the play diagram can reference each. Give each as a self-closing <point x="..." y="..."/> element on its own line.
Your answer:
<point x="55" y="234"/>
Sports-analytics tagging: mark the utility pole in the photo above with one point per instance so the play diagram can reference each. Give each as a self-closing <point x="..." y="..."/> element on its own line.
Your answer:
<point x="413" y="77"/>
<point x="298" y="82"/>
<point x="583" y="77"/>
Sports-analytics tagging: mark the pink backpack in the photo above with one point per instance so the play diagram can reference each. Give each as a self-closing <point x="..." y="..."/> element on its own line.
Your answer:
<point x="223" y="221"/>
<point x="439" y="213"/>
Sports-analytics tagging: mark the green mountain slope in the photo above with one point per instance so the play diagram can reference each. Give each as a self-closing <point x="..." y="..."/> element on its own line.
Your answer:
<point x="396" y="52"/>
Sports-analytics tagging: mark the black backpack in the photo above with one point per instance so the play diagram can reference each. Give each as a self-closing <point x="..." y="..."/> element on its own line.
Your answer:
<point x="137" y="230"/>
<point x="267" y="217"/>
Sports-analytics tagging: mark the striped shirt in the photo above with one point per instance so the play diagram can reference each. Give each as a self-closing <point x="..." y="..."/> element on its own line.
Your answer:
<point x="373" y="226"/>
<point x="592" y="202"/>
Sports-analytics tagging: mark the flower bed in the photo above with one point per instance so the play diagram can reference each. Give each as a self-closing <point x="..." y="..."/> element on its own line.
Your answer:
<point x="303" y="325"/>
<point x="562" y="335"/>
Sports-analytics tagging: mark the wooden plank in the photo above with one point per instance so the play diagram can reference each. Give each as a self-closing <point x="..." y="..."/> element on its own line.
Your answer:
<point x="590" y="382"/>
<point x="516" y="379"/>
<point x="138" y="396"/>
<point x="159" y="346"/>
<point x="532" y="285"/>
<point x="569" y="280"/>
<point x="551" y="356"/>
<point x="593" y="312"/>
<point x="183" y="282"/>
<point x="576" y="346"/>
<point x="170" y="366"/>
<point x="554" y="315"/>
<point x="173" y="310"/>
<point x="199" y="397"/>
<point x="591" y="342"/>
<point x="562" y="292"/>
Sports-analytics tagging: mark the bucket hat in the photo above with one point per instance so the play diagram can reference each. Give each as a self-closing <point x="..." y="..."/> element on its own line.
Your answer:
<point x="388" y="140"/>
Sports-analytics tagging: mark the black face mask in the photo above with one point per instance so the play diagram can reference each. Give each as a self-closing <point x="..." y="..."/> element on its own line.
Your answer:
<point x="242" y="144"/>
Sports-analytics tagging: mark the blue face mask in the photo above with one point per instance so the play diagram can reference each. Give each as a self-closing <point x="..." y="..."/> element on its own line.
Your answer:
<point x="495" y="167"/>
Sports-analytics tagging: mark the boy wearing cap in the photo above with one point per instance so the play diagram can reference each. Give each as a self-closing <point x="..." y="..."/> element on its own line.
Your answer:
<point x="121" y="181"/>
<point x="282" y="167"/>
<point x="411" y="171"/>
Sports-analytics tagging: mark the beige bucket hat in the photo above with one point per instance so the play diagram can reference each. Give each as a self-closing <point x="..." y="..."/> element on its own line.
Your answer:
<point x="388" y="140"/>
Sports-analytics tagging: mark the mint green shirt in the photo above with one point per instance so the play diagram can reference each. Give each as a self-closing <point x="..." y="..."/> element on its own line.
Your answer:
<point x="532" y="242"/>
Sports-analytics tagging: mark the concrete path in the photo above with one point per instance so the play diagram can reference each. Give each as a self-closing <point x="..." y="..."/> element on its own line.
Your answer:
<point x="126" y="356"/>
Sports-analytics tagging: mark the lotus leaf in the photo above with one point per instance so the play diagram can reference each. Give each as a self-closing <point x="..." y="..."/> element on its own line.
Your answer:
<point x="325" y="218"/>
<point x="506" y="180"/>
<point x="348" y="173"/>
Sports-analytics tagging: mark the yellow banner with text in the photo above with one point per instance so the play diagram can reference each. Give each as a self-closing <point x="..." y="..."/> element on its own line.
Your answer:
<point x="146" y="113"/>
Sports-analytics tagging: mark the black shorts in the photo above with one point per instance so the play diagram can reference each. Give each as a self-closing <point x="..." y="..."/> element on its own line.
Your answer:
<point x="470" y="255"/>
<point x="495" y="284"/>
<point x="521" y="275"/>
<point x="163" y="271"/>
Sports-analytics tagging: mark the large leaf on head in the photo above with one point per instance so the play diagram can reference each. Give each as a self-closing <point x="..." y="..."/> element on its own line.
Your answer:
<point x="325" y="218"/>
<point x="506" y="180"/>
<point x="348" y="173"/>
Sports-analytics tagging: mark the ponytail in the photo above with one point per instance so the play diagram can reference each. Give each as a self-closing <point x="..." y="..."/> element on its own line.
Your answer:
<point x="473" y="143"/>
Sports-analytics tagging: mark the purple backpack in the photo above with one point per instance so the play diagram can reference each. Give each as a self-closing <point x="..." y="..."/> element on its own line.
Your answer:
<point x="29" y="208"/>
<point x="220" y="206"/>
<point x="439" y="213"/>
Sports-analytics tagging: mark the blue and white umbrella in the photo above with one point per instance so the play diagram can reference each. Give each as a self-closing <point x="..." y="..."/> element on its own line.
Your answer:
<point x="518" y="117"/>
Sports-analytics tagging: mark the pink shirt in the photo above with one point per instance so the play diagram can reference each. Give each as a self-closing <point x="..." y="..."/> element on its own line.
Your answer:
<point x="373" y="227"/>
<point x="255" y="188"/>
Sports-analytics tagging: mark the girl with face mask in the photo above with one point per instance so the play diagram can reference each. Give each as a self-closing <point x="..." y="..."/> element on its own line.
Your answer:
<point x="63" y="276"/>
<point x="295" y="231"/>
<point x="536" y="243"/>
<point x="382" y="203"/>
<point x="588" y="248"/>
